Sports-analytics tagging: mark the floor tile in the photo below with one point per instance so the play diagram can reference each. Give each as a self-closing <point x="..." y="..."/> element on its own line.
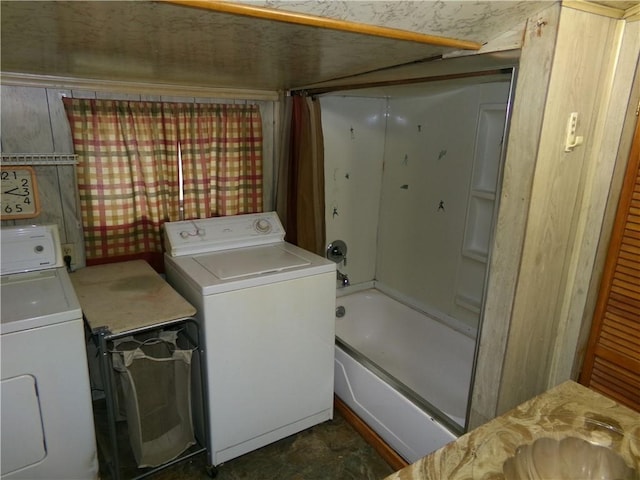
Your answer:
<point x="331" y="450"/>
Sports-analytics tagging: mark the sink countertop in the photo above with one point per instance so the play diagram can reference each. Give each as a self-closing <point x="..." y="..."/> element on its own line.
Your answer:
<point x="569" y="409"/>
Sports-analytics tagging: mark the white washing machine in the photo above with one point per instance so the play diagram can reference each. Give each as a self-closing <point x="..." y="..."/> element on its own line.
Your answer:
<point x="266" y="309"/>
<point x="47" y="429"/>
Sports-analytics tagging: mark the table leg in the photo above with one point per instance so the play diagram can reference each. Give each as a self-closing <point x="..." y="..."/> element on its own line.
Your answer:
<point x="105" y="370"/>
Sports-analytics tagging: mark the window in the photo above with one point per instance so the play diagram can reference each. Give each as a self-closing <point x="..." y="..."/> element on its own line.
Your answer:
<point x="132" y="156"/>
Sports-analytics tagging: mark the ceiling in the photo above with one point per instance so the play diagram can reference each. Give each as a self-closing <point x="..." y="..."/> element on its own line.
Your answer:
<point x="165" y="43"/>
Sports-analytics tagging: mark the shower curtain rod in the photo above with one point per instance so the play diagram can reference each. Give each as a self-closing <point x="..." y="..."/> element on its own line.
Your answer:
<point x="392" y="83"/>
<point x="325" y="22"/>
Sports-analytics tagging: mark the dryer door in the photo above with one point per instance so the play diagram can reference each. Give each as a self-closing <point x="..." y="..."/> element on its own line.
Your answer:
<point x="22" y="435"/>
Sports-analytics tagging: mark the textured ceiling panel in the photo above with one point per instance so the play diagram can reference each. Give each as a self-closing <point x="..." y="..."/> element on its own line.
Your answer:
<point x="159" y="42"/>
<point x="162" y="43"/>
<point x="466" y="20"/>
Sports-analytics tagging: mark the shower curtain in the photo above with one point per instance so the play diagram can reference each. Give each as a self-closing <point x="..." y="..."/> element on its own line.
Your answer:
<point x="300" y="187"/>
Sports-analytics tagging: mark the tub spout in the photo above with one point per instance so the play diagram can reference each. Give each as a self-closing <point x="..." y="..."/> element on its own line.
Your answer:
<point x="342" y="278"/>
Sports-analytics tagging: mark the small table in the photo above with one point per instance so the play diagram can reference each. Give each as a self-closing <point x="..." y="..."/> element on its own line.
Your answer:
<point x="127" y="298"/>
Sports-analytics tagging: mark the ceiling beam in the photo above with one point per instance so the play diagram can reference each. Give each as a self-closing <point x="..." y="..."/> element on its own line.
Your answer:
<point x="325" y="22"/>
<point x="503" y="72"/>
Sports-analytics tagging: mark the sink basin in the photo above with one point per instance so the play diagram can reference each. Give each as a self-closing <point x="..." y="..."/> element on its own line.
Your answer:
<point x="568" y="458"/>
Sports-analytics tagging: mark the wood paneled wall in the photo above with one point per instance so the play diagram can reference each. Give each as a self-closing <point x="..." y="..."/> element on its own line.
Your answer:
<point x="34" y="121"/>
<point x="526" y="122"/>
<point x="558" y="184"/>
<point x="552" y="203"/>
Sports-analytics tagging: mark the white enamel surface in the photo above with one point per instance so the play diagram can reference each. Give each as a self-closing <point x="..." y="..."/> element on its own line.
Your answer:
<point x="23" y="423"/>
<point x="269" y="354"/>
<point x="266" y="314"/>
<point x="425" y="137"/>
<point x="46" y="397"/>
<point x="253" y="261"/>
<point x="223" y="254"/>
<point x="201" y="271"/>
<point x="40" y="293"/>
<point x="354" y="133"/>
<point x="55" y="357"/>
<point x="29" y="248"/>
<point x="36" y="299"/>
<point x="207" y="235"/>
<point x="432" y="359"/>
<point x="409" y="430"/>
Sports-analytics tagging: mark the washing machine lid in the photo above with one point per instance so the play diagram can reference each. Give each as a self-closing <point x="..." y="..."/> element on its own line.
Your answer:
<point x="245" y="262"/>
<point x="37" y="299"/>
<point x="192" y="237"/>
<point x="219" y="272"/>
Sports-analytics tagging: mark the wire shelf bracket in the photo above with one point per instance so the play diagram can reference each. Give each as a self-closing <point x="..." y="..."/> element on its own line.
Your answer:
<point x="52" y="159"/>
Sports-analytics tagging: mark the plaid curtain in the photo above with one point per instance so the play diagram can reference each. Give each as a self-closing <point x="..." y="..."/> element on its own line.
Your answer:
<point x="128" y="169"/>
<point x="232" y="135"/>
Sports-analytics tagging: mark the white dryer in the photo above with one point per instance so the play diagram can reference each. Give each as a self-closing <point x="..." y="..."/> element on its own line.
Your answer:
<point x="47" y="429"/>
<point x="266" y="311"/>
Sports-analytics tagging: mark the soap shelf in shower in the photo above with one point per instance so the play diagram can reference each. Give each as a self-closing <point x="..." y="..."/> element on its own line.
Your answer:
<point x="468" y="303"/>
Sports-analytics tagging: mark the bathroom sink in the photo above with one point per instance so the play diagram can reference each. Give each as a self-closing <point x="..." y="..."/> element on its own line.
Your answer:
<point x="566" y="458"/>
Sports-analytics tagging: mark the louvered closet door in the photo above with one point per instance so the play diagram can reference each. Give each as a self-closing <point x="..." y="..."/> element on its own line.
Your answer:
<point x="612" y="361"/>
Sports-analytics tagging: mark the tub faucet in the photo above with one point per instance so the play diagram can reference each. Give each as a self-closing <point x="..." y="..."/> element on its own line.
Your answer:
<point x="342" y="278"/>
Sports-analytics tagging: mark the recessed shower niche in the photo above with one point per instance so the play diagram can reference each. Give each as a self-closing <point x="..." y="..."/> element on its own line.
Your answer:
<point x="481" y="206"/>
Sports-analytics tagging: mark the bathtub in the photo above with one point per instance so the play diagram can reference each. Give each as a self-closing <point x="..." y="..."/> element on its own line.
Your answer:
<point x="406" y="375"/>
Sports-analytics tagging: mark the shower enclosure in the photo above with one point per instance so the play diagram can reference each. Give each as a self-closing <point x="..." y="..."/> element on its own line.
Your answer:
<point x="412" y="177"/>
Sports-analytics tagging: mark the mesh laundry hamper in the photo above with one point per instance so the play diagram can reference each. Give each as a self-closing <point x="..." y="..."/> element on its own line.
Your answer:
<point x="156" y="384"/>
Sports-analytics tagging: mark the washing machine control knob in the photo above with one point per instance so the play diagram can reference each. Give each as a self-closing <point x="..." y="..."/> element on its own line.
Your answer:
<point x="262" y="225"/>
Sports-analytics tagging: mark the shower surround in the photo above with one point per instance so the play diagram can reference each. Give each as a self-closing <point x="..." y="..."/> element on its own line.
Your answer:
<point x="411" y="178"/>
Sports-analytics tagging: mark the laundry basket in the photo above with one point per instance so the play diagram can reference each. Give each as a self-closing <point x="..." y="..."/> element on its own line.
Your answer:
<point x="155" y="375"/>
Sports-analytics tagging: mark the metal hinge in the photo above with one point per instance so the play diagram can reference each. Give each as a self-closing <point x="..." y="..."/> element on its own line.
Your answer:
<point x="638" y="109"/>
